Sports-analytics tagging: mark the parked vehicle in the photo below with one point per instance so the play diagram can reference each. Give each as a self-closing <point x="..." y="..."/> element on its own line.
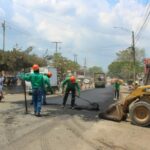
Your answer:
<point x="53" y="79"/>
<point x="99" y="80"/>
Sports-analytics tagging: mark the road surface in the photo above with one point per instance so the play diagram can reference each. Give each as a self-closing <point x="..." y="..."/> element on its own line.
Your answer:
<point x="67" y="129"/>
<point x="102" y="96"/>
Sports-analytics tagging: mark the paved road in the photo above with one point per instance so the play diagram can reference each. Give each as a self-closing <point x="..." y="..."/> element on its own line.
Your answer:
<point x="19" y="130"/>
<point x="67" y="129"/>
<point x="102" y="96"/>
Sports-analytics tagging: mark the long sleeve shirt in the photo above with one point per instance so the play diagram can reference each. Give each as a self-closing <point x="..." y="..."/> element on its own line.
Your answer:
<point x="117" y="86"/>
<point x="71" y="86"/>
<point x="35" y="78"/>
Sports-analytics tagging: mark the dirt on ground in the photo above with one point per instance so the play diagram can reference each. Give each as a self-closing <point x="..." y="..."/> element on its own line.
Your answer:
<point x="64" y="129"/>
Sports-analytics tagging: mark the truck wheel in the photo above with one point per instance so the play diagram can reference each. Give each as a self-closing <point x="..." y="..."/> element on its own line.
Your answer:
<point x="140" y="113"/>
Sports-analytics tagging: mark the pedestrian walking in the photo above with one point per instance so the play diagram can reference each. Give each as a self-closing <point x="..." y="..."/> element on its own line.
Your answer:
<point x="116" y="89"/>
<point x="47" y="87"/>
<point x="1" y="86"/>
<point x="37" y="83"/>
<point x="70" y="85"/>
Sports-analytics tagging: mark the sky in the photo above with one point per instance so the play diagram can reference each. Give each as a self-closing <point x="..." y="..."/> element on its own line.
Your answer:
<point x="94" y="30"/>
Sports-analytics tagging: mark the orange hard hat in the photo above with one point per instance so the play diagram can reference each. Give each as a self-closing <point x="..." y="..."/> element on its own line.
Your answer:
<point x="35" y="67"/>
<point x="49" y="74"/>
<point x="72" y="79"/>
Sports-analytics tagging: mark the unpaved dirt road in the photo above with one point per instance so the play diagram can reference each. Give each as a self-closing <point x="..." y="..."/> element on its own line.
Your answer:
<point x="65" y="129"/>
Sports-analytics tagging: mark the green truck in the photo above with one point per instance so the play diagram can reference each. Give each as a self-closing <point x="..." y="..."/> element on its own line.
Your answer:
<point x="99" y="80"/>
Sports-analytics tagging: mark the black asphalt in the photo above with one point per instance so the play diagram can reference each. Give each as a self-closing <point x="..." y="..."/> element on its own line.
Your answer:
<point x="102" y="96"/>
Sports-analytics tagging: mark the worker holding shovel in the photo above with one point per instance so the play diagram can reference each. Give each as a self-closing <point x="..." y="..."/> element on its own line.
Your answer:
<point x="71" y="86"/>
<point x="37" y="83"/>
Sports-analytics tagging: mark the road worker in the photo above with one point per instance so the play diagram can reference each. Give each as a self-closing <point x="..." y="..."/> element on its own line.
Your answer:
<point x="116" y="89"/>
<point x="47" y="86"/>
<point x="37" y="83"/>
<point x="71" y="86"/>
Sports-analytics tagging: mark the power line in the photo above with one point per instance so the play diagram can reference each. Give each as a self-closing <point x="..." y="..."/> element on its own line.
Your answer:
<point x="84" y="66"/>
<point x="75" y="58"/>
<point x="144" y="15"/>
<point x="143" y="25"/>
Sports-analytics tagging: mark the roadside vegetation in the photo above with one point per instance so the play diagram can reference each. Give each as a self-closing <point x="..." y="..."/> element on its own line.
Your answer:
<point x="122" y="67"/>
<point x="16" y="59"/>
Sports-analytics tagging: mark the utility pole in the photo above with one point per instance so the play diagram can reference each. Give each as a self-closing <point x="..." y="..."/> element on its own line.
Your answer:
<point x="84" y="66"/>
<point x="56" y="44"/>
<point x="134" y="59"/>
<point x="75" y="58"/>
<point x="4" y="27"/>
<point x="133" y="51"/>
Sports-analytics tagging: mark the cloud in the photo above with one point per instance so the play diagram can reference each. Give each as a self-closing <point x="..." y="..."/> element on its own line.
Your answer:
<point x="84" y="27"/>
<point x="2" y="13"/>
<point x="21" y="20"/>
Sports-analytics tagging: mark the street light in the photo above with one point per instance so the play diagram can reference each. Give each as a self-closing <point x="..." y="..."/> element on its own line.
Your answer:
<point x="133" y="49"/>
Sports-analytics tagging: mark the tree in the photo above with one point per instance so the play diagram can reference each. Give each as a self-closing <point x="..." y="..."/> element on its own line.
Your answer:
<point x="63" y="64"/>
<point x="122" y="67"/>
<point x="17" y="59"/>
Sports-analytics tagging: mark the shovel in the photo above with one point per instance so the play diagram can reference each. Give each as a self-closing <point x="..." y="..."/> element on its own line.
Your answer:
<point x="95" y="106"/>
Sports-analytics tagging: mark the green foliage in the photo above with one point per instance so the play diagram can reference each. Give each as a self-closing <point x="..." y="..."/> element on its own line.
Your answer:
<point x="122" y="67"/>
<point x="63" y="64"/>
<point x="16" y="59"/>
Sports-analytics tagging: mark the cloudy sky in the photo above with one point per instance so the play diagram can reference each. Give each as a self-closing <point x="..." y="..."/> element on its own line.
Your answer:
<point x="85" y="27"/>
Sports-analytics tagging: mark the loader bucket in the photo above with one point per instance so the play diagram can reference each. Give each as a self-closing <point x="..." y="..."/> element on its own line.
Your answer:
<point x="114" y="113"/>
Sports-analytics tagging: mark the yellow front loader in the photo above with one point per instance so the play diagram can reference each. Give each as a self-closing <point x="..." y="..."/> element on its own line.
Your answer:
<point x="136" y="105"/>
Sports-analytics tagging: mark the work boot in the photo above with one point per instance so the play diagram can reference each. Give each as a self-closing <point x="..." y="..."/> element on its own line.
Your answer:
<point x="72" y="107"/>
<point x="38" y="114"/>
<point x="115" y="99"/>
<point x="62" y="106"/>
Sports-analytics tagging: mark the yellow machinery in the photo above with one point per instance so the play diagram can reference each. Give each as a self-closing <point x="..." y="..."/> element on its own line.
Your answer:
<point x="136" y="105"/>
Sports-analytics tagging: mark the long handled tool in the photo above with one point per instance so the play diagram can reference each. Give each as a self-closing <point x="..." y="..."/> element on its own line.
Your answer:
<point x="95" y="106"/>
<point x="25" y="95"/>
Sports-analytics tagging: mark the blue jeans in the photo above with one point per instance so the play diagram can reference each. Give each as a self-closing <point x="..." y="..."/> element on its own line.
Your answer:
<point x="37" y="99"/>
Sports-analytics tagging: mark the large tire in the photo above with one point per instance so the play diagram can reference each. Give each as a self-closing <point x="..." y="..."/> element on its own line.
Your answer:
<point x="139" y="113"/>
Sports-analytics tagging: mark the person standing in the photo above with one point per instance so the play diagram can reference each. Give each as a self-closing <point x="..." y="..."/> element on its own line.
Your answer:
<point x="47" y="87"/>
<point x="37" y="83"/>
<point x="117" y="89"/>
<point x="71" y="86"/>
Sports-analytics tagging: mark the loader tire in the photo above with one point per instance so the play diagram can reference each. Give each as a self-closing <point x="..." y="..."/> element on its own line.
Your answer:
<point x="140" y="113"/>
